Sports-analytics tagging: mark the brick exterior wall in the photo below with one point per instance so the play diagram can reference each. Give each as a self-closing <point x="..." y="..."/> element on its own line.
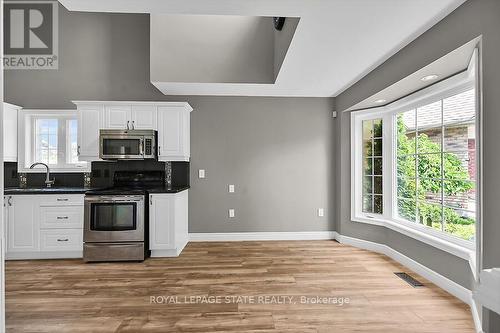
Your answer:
<point x="457" y="140"/>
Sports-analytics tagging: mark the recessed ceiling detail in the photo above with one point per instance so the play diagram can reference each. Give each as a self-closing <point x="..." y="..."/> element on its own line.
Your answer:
<point x="217" y="49"/>
<point x="452" y="63"/>
<point x="336" y="43"/>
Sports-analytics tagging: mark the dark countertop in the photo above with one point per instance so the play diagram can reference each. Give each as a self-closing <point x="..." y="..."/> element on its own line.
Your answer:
<point x="173" y="189"/>
<point x="44" y="190"/>
<point x="79" y="190"/>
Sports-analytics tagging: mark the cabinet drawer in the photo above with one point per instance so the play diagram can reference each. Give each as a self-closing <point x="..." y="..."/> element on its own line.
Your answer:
<point x="61" y="200"/>
<point x="61" y="217"/>
<point x="61" y="239"/>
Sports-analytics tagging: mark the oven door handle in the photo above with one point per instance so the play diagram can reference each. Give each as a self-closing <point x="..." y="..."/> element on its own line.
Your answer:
<point x="112" y="200"/>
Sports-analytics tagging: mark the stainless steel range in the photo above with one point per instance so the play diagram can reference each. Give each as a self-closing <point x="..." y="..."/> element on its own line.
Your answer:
<point x="115" y="219"/>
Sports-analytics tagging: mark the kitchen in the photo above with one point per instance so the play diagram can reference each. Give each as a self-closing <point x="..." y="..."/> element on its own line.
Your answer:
<point x="122" y="221"/>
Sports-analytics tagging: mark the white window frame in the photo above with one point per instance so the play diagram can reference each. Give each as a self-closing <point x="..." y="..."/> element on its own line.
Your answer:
<point x="441" y="90"/>
<point x="26" y="139"/>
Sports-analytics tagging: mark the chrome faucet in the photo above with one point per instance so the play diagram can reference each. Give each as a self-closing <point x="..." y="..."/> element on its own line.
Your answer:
<point x="48" y="182"/>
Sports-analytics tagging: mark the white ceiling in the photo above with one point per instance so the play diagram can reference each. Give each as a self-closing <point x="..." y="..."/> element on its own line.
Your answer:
<point x="336" y="43"/>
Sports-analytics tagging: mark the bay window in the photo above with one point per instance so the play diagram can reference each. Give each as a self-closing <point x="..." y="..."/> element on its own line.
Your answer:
<point x="415" y="165"/>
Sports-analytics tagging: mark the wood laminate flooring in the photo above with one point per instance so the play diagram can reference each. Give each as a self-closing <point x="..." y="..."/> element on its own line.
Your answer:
<point x="71" y="296"/>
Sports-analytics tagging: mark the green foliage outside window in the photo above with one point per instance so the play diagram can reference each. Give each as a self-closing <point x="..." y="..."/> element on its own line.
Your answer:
<point x="412" y="198"/>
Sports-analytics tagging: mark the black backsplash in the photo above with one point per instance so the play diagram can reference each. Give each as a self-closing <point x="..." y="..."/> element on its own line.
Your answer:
<point x="10" y="176"/>
<point x="101" y="175"/>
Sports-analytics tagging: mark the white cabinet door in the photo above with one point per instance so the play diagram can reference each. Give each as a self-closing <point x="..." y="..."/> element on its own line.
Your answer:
<point x="161" y="221"/>
<point x="173" y="134"/>
<point x="89" y="123"/>
<point x="23" y="224"/>
<point x="10" y="132"/>
<point x="117" y="117"/>
<point x="143" y="117"/>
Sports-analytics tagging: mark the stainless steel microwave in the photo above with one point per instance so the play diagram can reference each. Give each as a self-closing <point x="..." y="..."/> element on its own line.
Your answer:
<point x="120" y="144"/>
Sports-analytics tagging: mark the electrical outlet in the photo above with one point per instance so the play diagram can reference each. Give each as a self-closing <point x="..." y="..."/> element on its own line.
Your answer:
<point x="231" y="213"/>
<point x="231" y="188"/>
<point x="321" y="212"/>
<point x="201" y="173"/>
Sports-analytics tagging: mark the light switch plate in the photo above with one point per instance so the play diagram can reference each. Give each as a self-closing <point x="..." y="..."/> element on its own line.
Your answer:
<point x="201" y="173"/>
<point x="231" y="188"/>
<point x="321" y="212"/>
<point x="231" y="212"/>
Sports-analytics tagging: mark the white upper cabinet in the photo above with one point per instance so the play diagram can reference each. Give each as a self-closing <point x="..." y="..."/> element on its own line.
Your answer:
<point x="173" y="133"/>
<point x="170" y="119"/>
<point x="10" y="113"/>
<point x="144" y="117"/>
<point x="90" y="120"/>
<point x="135" y="116"/>
<point x="117" y="117"/>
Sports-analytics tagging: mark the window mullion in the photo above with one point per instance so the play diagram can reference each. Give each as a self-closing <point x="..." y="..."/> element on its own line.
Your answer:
<point x="60" y="142"/>
<point x="442" y="167"/>
<point x="388" y="179"/>
<point x="417" y="213"/>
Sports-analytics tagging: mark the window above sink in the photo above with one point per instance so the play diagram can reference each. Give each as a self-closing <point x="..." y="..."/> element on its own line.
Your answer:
<point x="50" y="137"/>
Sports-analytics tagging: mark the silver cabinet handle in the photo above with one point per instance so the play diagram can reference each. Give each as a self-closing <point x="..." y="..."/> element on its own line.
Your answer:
<point x="133" y="124"/>
<point x="62" y="217"/>
<point x="62" y="239"/>
<point x="10" y="201"/>
<point x="128" y="122"/>
<point x="78" y="150"/>
<point x="159" y="150"/>
<point x="62" y="199"/>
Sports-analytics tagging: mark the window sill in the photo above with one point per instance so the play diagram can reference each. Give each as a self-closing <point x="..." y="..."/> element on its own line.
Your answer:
<point x="416" y="232"/>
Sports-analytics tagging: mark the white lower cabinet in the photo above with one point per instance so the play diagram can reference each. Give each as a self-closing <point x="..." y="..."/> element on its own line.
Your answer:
<point x="61" y="240"/>
<point x="22" y="224"/>
<point x="168" y="223"/>
<point x="44" y="226"/>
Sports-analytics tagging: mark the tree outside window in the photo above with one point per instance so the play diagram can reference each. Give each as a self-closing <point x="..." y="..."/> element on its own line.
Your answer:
<point x="436" y="165"/>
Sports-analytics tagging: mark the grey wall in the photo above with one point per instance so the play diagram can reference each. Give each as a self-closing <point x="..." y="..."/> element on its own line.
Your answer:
<point x="277" y="151"/>
<point x="473" y="18"/>
<point x="211" y="48"/>
<point x="279" y="154"/>
<point x="282" y="41"/>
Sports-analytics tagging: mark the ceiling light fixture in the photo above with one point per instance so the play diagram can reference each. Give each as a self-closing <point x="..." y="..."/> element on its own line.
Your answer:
<point x="429" y="77"/>
<point x="380" y="101"/>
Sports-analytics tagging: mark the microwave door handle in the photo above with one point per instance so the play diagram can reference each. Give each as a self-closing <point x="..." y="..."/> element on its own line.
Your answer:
<point x="141" y="147"/>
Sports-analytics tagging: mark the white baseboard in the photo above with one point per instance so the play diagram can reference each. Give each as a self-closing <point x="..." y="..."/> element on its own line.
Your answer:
<point x="462" y="293"/>
<point x="169" y="252"/>
<point x="261" y="236"/>
<point x="475" y="308"/>
<point x="444" y="283"/>
<point x="453" y="288"/>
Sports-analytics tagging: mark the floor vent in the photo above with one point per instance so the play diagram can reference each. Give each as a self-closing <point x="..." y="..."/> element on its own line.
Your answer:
<point x="410" y="280"/>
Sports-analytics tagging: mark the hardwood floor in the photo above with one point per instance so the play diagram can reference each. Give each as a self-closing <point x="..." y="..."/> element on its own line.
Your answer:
<point x="70" y="296"/>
